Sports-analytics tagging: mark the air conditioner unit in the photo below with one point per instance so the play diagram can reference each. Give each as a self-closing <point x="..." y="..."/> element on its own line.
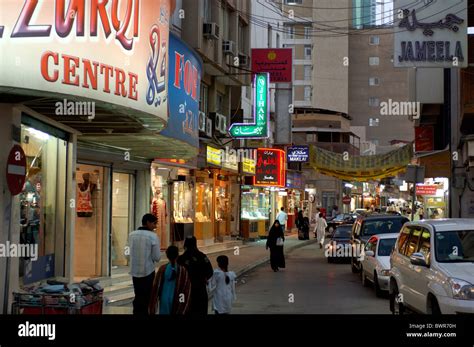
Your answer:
<point x="208" y="127"/>
<point x="243" y="60"/>
<point x="202" y="122"/>
<point x="211" y="31"/>
<point x="223" y="125"/>
<point x="228" y="47"/>
<point x="217" y="121"/>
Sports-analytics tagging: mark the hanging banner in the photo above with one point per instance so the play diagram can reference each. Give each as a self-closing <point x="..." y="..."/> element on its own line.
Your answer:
<point x="361" y="168"/>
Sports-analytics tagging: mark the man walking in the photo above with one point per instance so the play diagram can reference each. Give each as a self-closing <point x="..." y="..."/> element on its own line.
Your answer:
<point x="144" y="252"/>
<point x="282" y="218"/>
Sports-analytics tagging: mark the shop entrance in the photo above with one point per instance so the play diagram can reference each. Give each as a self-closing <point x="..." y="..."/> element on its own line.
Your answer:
<point x="90" y="221"/>
<point x="123" y="185"/>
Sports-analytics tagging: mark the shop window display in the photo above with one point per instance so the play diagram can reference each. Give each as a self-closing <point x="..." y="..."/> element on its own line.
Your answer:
<point x="203" y="202"/>
<point x="40" y="202"/>
<point x="183" y="211"/>
<point x="255" y="205"/>
<point x="159" y="207"/>
<point x="222" y="204"/>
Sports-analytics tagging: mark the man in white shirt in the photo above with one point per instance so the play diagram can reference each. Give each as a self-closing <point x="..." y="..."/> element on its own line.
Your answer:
<point x="282" y="218"/>
<point x="144" y="252"/>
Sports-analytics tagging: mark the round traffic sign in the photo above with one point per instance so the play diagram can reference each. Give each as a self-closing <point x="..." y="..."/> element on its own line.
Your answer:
<point x="346" y="200"/>
<point x="16" y="170"/>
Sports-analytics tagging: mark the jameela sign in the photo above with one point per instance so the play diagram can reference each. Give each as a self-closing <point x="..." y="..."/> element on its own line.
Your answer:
<point x="430" y="34"/>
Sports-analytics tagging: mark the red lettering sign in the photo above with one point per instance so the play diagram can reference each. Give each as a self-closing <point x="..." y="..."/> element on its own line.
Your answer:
<point x="270" y="168"/>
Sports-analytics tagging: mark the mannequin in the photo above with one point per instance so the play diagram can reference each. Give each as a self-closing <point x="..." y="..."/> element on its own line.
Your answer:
<point x="84" y="196"/>
<point x="158" y="208"/>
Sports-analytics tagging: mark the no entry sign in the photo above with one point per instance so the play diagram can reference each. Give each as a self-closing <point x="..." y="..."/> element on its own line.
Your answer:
<point x="346" y="200"/>
<point x="16" y="170"/>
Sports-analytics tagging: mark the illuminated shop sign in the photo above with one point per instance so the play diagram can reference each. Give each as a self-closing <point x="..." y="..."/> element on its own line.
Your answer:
<point x="298" y="154"/>
<point x="270" y="169"/>
<point x="248" y="166"/>
<point x="259" y="127"/>
<point x="213" y="156"/>
<point x="110" y="51"/>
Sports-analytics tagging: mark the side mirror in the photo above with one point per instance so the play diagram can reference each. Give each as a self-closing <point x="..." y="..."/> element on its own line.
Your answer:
<point x="370" y="253"/>
<point x="418" y="259"/>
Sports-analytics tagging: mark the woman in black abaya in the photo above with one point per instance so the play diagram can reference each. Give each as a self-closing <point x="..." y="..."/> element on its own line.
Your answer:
<point x="275" y="243"/>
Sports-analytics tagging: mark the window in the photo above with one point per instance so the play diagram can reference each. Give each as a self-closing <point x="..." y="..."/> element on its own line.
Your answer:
<point x="290" y="32"/>
<point x="385" y="247"/>
<point x="374" y="61"/>
<point x="307" y="51"/>
<point x="374" y="122"/>
<point x="206" y="10"/>
<point x="204" y="98"/>
<point x="374" y="81"/>
<point x="374" y="102"/>
<point x="307" y="32"/>
<point x="374" y="40"/>
<point x="277" y="40"/>
<point x="425" y="246"/>
<point x="269" y="36"/>
<point x="220" y="103"/>
<point x="307" y="93"/>
<point x="308" y="71"/>
<point x="371" y="245"/>
<point x="402" y="239"/>
<point x="311" y="138"/>
<point x="293" y="2"/>
<point x="413" y="240"/>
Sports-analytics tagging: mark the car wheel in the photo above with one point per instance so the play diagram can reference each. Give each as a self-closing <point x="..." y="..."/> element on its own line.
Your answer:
<point x="378" y="291"/>
<point x="396" y="305"/>
<point x="353" y="267"/>
<point x="435" y="310"/>
<point x="365" y="282"/>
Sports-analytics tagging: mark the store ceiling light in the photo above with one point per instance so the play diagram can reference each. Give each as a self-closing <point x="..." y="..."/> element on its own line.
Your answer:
<point x="38" y="134"/>
<point x="348" y="185"/>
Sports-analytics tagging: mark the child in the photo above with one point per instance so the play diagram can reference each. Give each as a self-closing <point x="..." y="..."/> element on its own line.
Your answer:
<point x="223" y="284"/>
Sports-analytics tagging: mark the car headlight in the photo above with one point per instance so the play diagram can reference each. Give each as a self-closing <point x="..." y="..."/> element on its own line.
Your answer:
<point x="385" y="272"/>
<point x="462" y="290"/>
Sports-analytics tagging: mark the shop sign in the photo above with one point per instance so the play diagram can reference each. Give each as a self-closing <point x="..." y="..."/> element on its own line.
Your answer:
<point x="430" y="34"/>
<point x="16" y="170"/>
<point x="230" y="163"/>
<point x="184" y="83"/>
<point x="294" y="180"/>
<point x="248" y="166"/>
<point x="213" y="156"/>
<point x="424" y="139"/>
<point x="423" y="189"/>
<point x="109" y="51"/>
<point x="259" y="127"/>
<point x="298" y="154"/>
<point x="270" y="169"/>
<point x="277" y="62"/>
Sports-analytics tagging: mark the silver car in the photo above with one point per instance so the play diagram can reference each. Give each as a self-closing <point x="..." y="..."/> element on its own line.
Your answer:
<point x="376" y="262"/>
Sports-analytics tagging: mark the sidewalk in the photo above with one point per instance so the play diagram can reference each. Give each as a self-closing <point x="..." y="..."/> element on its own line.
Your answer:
<point x="241" y="260"/>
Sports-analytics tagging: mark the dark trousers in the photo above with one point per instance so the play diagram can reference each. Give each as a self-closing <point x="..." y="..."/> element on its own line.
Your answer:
<point x="142" y="287"/>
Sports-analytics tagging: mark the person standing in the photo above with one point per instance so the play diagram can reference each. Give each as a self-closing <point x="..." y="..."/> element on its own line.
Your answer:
<point x="144" y="252"/>
<point x="275" y="242"/>
<point x="223" y="285"/>
<point x="282" y="218"/>
<point x="320" y="229"/>
<point x="200" y="271"/>
<point x="171" y="287"/>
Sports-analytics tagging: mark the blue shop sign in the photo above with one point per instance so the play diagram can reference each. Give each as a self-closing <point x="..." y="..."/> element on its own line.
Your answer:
<point x="297" y="154"/>
<point x="294" y="180"/>
<point x="184" y="85"/>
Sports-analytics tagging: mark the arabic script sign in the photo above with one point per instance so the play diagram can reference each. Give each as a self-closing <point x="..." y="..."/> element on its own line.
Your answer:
<point x="430" y="35"/>
<point x="277" y="62"/>
<point x="270" y="169"/>
<point x="259" y="127"/>
<point x="298" y="154"/>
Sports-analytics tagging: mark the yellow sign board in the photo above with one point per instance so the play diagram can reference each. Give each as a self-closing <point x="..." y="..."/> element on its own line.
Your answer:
<point x="248" y="166"/>
<point x="213" y="156"/>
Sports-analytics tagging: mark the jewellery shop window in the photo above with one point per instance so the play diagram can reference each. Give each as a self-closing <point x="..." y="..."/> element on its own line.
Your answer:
<point x="222" y="204"/>
<point x="183" y="210"/>
<point x="203" y="202"/>
<point x="42" y="201"/>
<point x="255" y="204"/>
<point x="294" y="200"/>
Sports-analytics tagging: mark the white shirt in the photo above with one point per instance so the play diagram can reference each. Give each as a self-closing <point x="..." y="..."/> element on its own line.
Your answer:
<point x="224" y="294"/>
<point x="282" y="217"/>
<point x="144" y="252"/>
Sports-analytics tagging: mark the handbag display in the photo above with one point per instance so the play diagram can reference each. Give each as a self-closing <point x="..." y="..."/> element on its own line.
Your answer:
<point x="279" y="241"/>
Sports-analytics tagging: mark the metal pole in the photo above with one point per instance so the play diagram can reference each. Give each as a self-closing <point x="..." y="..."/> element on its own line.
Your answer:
<point x="414" y="199"/>
<point x="7" y="264"/>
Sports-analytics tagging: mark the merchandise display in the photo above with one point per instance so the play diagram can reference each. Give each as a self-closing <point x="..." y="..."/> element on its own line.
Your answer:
<point x="203" y="202"/>
<point x="183" y="211"/>
<point x="255" y="205"/>
<point x="222" y="204"/>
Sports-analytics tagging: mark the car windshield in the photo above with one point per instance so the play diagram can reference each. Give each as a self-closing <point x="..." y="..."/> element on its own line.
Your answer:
<point x="382" y="226"/>
<point x="338" y="218"/>
<point x="455" y="246"/>
<point x="343" y="233"/>
<point x="385" y="247"/>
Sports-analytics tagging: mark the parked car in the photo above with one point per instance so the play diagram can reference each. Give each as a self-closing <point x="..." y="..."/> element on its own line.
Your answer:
<point x="432" y="267"/>
<point x="343" y="218"/>
<point x="339" y="244"/>
<point x="375" y="265"/>
<point x="369" y="225"/>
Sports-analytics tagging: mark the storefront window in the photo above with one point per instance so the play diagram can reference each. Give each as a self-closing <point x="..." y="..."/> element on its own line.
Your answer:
<point x="159" y="204"/>
<point x="203" y="202"/>
<point x="183" y="211"/>
<point x="222" y="204"/>
<point x="88" y="236"/>
<point x="121" y="212"/>
<point x="255" y="204"/>
<point x="42" y="202"/>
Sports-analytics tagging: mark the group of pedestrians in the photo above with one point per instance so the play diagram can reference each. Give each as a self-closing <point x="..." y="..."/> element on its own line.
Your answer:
<point x="181" y="286"/>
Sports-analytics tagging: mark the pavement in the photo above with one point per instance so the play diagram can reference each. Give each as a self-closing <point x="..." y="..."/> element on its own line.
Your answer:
<point x="242" y="259"/>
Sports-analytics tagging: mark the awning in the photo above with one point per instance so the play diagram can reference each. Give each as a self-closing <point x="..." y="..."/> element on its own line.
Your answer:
<point x="361" y="168"/>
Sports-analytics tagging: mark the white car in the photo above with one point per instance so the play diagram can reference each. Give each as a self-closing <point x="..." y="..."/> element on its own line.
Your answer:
<point x="376" y="261"/>
<point x="432" y="267"/>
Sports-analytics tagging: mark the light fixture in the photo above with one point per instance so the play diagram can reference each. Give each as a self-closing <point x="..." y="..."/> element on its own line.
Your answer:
<point x="348" y="185"/>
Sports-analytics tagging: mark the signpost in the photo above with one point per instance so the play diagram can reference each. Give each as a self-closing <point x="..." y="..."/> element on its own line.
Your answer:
<point x="259" y="128"/>
<point x="16" y="170"/>
<point x="346" y="200"/>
